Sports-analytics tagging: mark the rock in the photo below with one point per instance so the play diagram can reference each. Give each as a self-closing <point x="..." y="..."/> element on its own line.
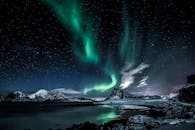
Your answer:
<point x="116" y="125"/>
<point x="191" y="79"/>
<point x="173" y="110"/>
<point x="187" y="94"/>
<point x="17" y="96"/>
<point x="10" y="96"/>
<point x="156" y="112"/>
<point x="84" y="126"/>
<point x="118" y="93"/>
<point x="142" y="121"/>
<point x="1" y="98"/>
<point x="172" y="113"/>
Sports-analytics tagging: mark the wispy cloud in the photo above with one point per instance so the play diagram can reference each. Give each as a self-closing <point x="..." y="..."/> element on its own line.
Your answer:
<point x="128" y="74"/>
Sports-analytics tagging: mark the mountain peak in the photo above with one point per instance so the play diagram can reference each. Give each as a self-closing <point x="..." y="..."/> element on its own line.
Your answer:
<point x="40" y="93"/>
<point x="118" y="93"/>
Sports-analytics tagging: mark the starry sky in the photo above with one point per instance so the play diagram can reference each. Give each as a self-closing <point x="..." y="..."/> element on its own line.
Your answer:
<point x="84" y="44"/>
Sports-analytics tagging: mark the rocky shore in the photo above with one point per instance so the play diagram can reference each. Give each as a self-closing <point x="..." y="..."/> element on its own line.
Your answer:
<point x="171" y="114"/>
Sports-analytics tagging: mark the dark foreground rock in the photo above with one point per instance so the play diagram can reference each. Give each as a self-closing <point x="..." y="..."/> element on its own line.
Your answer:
<point x="187" y="94"/>
<point x="85" y="126"/>
<point x="175" y="110"/>
<point x="142" y="122"/>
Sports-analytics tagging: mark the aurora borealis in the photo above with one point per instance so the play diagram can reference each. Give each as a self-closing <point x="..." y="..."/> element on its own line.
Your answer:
<point x="71" y="16"/>
<point x="68" y="12"/>
<point x="86" y="45"/>
<point x="104" y="86"/>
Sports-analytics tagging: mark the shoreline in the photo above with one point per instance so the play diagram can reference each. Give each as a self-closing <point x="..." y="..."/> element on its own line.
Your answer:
<point x="157" y="116"/>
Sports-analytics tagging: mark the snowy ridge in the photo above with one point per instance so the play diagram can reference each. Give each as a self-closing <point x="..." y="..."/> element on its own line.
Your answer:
<point x="65" y="91"/>
<point x="60" y="94"/>
<point x="55" y="94"/>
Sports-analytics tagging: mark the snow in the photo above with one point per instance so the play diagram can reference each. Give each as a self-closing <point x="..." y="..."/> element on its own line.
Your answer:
<point x="40" y="93"/>
<point x="130" y="107"/>
<point x="59" y="93"/>
<point x="65" y="91"/>
<point x="98" y="98"/>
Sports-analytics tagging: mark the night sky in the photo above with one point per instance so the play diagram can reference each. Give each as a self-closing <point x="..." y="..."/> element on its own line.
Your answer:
<point x="84" y="45"/>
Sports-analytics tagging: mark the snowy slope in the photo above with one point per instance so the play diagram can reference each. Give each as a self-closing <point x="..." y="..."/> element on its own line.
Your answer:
<point x="40" y="93"/>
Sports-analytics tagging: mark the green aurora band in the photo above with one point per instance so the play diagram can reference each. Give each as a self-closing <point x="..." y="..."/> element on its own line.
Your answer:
<point x="104" y="86"/>
<point x="127" y="49"/>
<point x="71" y="15"/>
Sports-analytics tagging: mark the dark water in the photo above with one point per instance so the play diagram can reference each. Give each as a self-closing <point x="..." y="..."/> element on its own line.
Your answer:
<point x="55" y="118"/>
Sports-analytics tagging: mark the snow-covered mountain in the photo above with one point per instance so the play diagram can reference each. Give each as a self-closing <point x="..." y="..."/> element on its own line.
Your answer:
<point x="17" y="96"/>
<point x="118" y="93"/>
<point x="59" y="94"/>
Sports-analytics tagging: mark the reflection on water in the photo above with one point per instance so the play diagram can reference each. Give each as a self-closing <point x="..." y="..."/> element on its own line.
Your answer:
<point x="108" y="116"/>
<point x="57" y="118"/>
